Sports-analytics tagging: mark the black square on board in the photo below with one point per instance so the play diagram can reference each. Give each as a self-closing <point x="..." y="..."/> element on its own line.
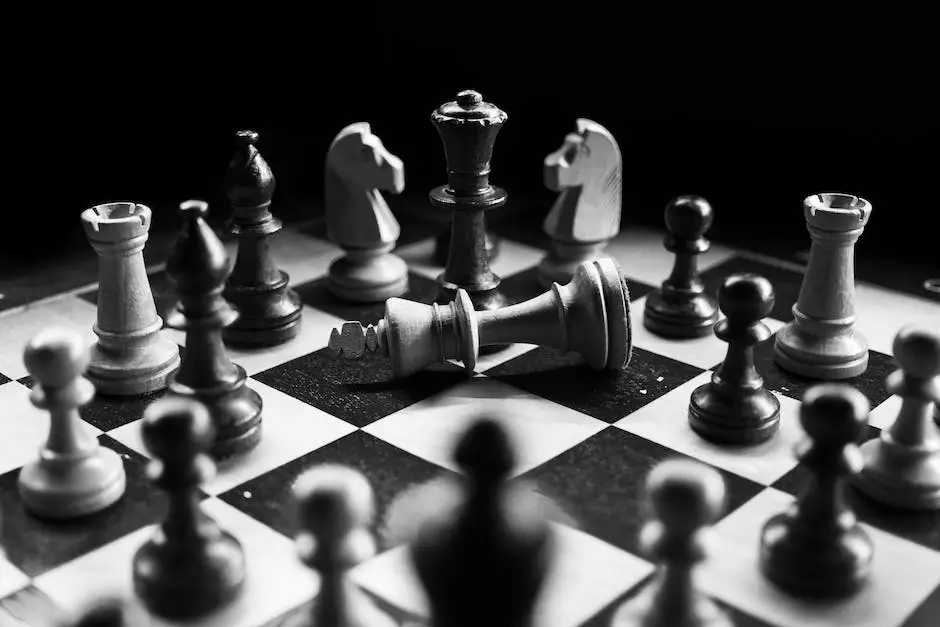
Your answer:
<point x="787" y="283"/>
<point x="36" y="546"/>
<point x="4" y="378"/>
<point x="390" y="470"/>
<point x="359" y="391"/>
<point x="606" y="395"/>
<point x="600" y="484"/>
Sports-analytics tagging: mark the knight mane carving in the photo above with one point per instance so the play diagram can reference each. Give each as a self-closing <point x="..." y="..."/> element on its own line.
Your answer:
<point x="358" y="169"/>
<point x="587" y="171"/>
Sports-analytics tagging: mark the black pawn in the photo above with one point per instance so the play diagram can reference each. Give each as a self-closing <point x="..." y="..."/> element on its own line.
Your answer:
<point x="492" y="549"/>
<point x="817" y="549"/>
<point x="269" y="312"/>
<point x="680" y="308"/>
<point x="190" y="567"/>
<point x="734" y="407"/>
<point x="198" y="265"/>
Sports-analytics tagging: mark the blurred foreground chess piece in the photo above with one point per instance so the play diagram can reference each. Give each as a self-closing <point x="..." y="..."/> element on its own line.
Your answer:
<point x="586" y="170"/>
<point x="199" y="266"/>
<point x="74" y="475"/>
<point x="590" y="316"/>
<point x="358" y="169"/>
<point x="190" y="566"/>
<point x="817" y="549"/>
<point x="468" y="127"/>
<point x="110" y="612"/>
<point x="131" y="356"/>
<point x="821" y="342"/>
<point x="902" y="466"/>
<point x="680" y="308"/>
<point x="269" y="312"/>
<point x="686" y="498"/>
<point x="735" y="407"/>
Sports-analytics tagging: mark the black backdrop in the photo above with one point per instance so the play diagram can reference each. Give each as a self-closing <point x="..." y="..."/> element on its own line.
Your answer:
<point x="754" y="124"/>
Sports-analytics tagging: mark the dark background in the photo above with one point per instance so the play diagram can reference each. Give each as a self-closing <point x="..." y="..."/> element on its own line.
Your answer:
<point x="750" y="121"/>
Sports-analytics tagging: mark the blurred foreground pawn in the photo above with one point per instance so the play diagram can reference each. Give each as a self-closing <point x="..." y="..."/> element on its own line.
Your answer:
<point x="199" y="265"/>
<point x="484" y="559"/>
<point x="821" y="342"/>
<point x="817" y="549"/>
<point x="358" y="169"/>
<point x="686" y="497"/>
<point x="336" y="508"/>
<point x="190" y="567"/>
<point x="590" y="316"/>
<point x="131" y="356"/>
<point x="734" y="407"/>
<point x="902" y="467"/>
<point x="586" y="170"/>
<point x="269" y="312"/>
<point x="680" y="308"/>
<point x="74" y="475"/>
<point x="468" y="127"/>
<point x="110" y="612"/>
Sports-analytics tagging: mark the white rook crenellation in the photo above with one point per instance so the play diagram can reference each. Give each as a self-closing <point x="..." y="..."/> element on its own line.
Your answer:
<point x="131" y="356"/>
<point x="822" y="342"/>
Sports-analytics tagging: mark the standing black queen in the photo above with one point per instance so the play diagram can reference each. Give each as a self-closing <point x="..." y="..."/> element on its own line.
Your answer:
<point x="468" y="127"/>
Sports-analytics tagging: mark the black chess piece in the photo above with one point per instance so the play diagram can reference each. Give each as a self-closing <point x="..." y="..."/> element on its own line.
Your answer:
<point x="198" y="264"/>
<point x="269" y="312"/>
<point x="680" y="308"/>
<point x="492" y="548"/>
<point x="468" y="128"/>
<point x="492" y="244"/>
<point x="686" y="497"/>
<point x="817" y="549"/>
<point x="190" y="567"/>
<point x="734" y="407"/>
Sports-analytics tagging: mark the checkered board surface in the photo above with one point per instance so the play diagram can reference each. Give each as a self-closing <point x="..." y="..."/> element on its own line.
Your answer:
<point x="586" y="440"/>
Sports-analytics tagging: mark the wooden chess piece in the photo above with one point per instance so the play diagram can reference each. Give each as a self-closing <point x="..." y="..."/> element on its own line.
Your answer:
<point x="680" y="308"/>
<point x="483" y="560"/>
<point x="190" y="567"/>
<point x="734" y="407"/>
<point x="269" y="312"/>
<point x="821" y="342"/>
<point x="131" y="356"/>
<point x="336" y="507"/>
<point x="110" y="612"/>
<point x="74" y="475"/>
<point x="199" y="266"/>
<point x="590" y="316"/>
<point x="817" y="549"/>
<point x="902" y="467"/>
<point x="586" y="171"/>
<point x="358" y="169"/>
<point x="468" y="128"/>
<point x="686" y="498"/>
<point x="492" y="243"/>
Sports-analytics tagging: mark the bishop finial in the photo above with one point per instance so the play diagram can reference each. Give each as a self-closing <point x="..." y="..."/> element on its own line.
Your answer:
<point x="198" y="262"/>
<point x="249" y="181"/>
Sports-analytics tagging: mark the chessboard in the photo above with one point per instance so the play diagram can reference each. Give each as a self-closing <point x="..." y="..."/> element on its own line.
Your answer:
<point x="585" y="439"/>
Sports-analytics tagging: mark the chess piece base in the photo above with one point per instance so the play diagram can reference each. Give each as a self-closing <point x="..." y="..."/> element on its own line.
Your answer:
<point x="373" y="279"/>
<point x="834" y="352"/>
<point x="559" y="265"/>
<point x="75" y="488"/>
<point x="817" y="567"/>
<point x="268" y="315"/>
<point x="756" y="417"/>
<point x="140" y="368"/>
<point x="898" y="476"/>
<point x="680" y="318"/>
<point x="201" y="581"/>
<point x="235" y="410"/>
<point x="642" y="611"/>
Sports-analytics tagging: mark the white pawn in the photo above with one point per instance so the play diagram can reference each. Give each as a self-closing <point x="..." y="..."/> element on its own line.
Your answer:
<point x="73" y="476"/>
<point x="686" y="497"/>
<point x="902" y="467"/>
<point x="358" y="168"/>
<point x="335" y="507"/>
<point x="586" y="170"/>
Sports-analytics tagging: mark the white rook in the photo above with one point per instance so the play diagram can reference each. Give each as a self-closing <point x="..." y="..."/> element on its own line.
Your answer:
<point x="131" y="356"/>
<point x="822" y="342"/>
